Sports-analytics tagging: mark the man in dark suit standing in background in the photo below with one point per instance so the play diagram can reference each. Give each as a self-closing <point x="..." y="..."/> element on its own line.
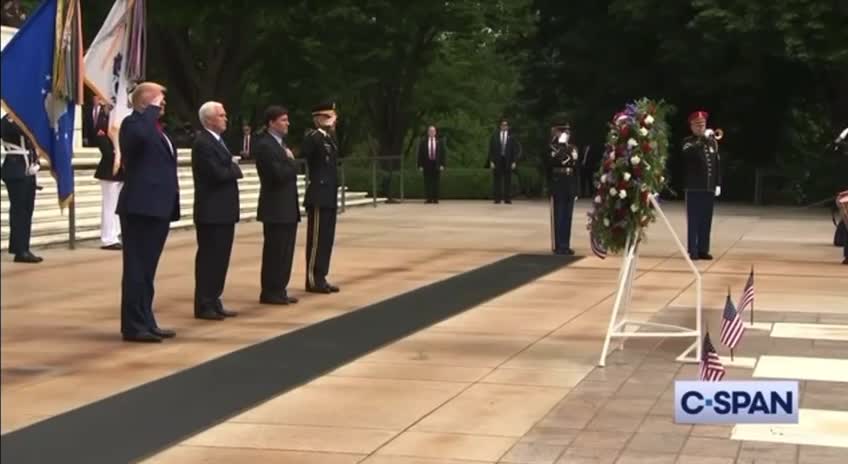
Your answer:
<point x="504" y="152"/>
<point x="216" y="211"/>
<point x="18" y="173"/>
<point x="431" y="162"/>
<point x="278" y="208"/>
<point x="320" y="149"/>
<point x="149" y="201"/>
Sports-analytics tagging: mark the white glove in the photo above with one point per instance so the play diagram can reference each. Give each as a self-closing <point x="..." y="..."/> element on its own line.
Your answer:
<point x="718" y="191"/>
<point x="574" y="154"/>
<point x="708" y="132"/>
<point x="563" y="138"/>
<point x="33" y="169"/>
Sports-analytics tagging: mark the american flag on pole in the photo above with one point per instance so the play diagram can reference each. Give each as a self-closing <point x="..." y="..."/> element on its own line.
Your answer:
<point x="711" y="369"/>
<point x="732" y="326"/>
<point x="747" y="293"/>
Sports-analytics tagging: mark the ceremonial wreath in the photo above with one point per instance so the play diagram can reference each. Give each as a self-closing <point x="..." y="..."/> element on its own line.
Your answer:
<point x="632" y="168"/>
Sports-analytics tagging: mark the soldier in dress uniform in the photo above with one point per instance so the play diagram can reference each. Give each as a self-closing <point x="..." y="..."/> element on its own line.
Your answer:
<point x="19" y="175"/>
<point x="561" y="164"/>
<point x="320" y="149"/>
<point x="703" y="184"/>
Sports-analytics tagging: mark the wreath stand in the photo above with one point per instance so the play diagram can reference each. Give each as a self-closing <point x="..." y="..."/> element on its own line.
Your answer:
<point x="619" y="322"/>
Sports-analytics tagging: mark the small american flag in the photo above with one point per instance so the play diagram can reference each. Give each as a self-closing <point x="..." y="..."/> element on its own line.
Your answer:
<point x="597" y="248"/>
<point x="711" y="368"/>
<point x="747" y="293"/>
<point x="732" y="326"/>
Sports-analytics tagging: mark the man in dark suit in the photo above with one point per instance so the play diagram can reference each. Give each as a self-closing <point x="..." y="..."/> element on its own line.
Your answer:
<point x="278" y="208"/>
<point x="18" y="173"/>
<point x="703" y="184"/>
<point x="320" y="149"/>
<point x="431" y="162"/>
<point x="504" y="152"/>
<point x="216" y="211"/>
<point x="149" y="201"/>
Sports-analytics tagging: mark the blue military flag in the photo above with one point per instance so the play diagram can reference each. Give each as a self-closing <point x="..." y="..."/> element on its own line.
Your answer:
<point x="41" y="83"/>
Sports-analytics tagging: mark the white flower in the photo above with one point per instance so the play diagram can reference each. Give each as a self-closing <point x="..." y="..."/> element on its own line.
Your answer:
<point x="622" y="194"/>
<point x="612" y="155"/>
<point x="613" y="191"/>
<point x="643" y="131"/>
<point x="649" y="119"/>
<point x="632" y="143"/>
<point x="635" y="160"/>
<point x="626" y="176"/>
<point x="634" y="207"/>
<point x="604" y="179"/>
<point x="598" y="199"/>
<point x="606" y="222"/>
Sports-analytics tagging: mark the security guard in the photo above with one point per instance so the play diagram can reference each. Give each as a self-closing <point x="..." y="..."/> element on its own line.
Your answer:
<point x="703" y="184"/>
<point x="320" y="149"/>
<point x="19" y="175"/>
<point x="561" y="163"/>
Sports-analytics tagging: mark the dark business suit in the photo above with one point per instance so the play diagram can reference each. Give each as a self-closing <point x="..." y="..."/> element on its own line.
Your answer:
<point x="321" y="201"/>
<point x="216" y="212"/>
<point x="148" y="202"/>
<point x="21" y="189"/>
<point x="279" y="212"/>
<point x="431" y="161"/>
<point x="502" y="155"/>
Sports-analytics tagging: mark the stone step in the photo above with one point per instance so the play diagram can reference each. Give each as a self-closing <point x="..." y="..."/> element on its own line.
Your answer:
<point x="91" y="208"/>
<point x="89" y="217"/>
<point x="93" y="233"/>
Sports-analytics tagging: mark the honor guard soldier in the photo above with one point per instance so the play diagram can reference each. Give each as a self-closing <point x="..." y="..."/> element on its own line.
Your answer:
<point x="561" y="163"/>
<point x="19" y="174"/>
<point x="320" y="149"/>
<point x="703" y="183"/>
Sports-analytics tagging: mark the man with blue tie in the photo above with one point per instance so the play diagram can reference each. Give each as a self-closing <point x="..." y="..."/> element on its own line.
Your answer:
<point x="216" y="211"/>
<point x="147" y="204"/>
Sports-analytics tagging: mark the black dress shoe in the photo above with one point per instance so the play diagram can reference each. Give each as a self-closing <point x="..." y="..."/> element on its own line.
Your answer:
<point x="27" y="257"/>
<point x="706" y="256"/>
<point x="163" y="333"/>
<point x="114" y="246"/>
<point x="226" y="312"/>
<point x="209" y="315"/>
<point x="319" y="289"/>
<point x="291" y="299"/>
<point x="845" y="261"/>
<point x="509" y="202"/>
<point x="332" y="288"/>
<point x="274" y="300"/>
<point x="142" y="337"/>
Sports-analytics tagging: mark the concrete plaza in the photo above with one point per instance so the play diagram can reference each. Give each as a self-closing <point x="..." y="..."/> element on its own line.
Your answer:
<point x="514" y="380"/>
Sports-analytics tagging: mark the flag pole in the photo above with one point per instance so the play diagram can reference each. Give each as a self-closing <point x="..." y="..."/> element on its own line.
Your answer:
<point x="752" y="300"/>
<point x="728" y="299"/>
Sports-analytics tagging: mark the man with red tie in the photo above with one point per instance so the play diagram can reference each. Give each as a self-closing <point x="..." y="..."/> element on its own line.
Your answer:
<point x="431" y="162"/>
<point x="148" y="202"/>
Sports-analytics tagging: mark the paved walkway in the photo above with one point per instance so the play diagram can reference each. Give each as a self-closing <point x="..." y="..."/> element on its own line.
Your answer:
<point x="513" y="380"/>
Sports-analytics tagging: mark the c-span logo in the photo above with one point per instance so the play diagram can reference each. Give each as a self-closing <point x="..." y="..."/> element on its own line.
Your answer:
<point x="736" y="402"/>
